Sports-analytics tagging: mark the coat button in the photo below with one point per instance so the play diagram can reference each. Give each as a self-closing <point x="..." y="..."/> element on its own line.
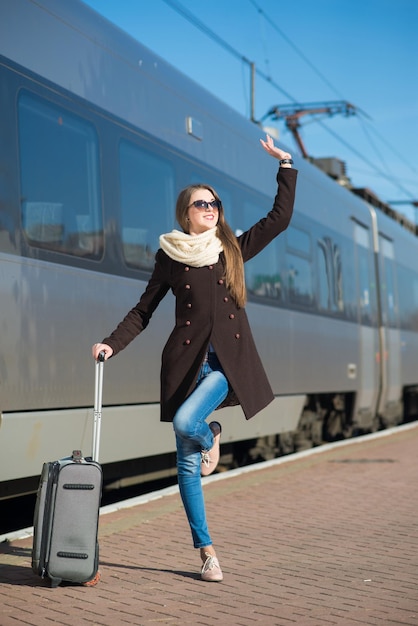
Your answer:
<point x="225" y="299"/>
<point x="189" y="305"/>
<point x="231" y="316"/>
<point x="187" y="342"/>
<point x="210" y="267"/>
<point x="186" y="269"/>
<point x="188" y="323"/>
<point x="187" y="287"/>
<point x="237" y="336"/>
<point x="220" y="281"/>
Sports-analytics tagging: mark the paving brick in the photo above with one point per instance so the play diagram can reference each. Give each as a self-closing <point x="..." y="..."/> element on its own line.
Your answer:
<point x="319" y="539"/>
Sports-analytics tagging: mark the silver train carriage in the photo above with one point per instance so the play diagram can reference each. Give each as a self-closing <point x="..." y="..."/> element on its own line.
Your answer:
<point x="97" y="136"/>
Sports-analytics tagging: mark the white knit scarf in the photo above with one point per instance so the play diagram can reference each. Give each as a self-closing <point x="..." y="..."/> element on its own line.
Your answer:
<point x="193" y="250"/>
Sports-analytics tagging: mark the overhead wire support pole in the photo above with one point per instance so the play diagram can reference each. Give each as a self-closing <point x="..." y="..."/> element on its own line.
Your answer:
<point x="252" y="92"/>
<point x="224" y="44"/>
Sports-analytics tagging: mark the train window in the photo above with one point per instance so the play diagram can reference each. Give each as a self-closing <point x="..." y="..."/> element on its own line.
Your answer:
<point x="60" y="187"/>
<point x="387" y="284"/>
<point x="262" y="273"/>
<point x="147" y="203"/>
<point x="330" y="295"/>
<point x="298" y="240"/>
<point x="365" y="276"/>
<point x="349" y="280"/>
<point x="408" y="298"/>
<point x="363" y="264"/>
<point x="298" y="283"/>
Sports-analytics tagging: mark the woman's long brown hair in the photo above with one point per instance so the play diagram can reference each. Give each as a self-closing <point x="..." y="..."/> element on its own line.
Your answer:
<point x="234" y="265"/>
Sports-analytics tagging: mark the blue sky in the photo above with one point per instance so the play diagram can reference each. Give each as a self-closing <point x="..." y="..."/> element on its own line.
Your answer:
<point x="361" y="51"/>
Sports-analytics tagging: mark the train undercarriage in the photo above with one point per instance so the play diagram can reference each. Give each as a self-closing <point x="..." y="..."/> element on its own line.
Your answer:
<point x="325" y="418"/>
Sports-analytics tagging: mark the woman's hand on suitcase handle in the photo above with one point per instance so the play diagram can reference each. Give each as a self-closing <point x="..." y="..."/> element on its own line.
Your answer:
<point x="101" y="347"/>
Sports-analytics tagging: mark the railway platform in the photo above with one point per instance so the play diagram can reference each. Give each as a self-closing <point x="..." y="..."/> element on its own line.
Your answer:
<point x="324" y="537"/>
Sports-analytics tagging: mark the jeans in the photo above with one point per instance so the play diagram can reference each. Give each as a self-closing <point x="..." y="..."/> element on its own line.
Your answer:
<point x="194" y="435"/>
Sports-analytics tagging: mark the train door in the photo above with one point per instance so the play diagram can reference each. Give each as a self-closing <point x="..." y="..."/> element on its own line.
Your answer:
<point x="369" y="356"/>
<point x="390" y="403"/>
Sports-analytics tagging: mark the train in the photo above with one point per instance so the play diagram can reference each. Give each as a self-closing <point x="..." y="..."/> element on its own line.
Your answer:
<point x="97" y="136"/>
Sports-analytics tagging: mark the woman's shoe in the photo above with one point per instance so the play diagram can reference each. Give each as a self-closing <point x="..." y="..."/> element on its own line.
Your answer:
<point x="211" y="571"/>
<point x="210" y="458"/>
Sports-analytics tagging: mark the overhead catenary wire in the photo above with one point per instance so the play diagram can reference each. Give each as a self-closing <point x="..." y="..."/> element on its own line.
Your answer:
<point x="384" y="173"/>
<point x="189" y="16"/>
<point x="224" y="44"/>
<point x="393" y="150"/>
<point x="296" y="49"/>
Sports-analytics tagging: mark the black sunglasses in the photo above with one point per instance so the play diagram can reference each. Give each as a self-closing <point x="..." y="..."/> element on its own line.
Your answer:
<point x="202" y="204"/>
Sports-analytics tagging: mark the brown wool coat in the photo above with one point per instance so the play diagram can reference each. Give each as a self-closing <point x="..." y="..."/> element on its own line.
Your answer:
<point x="205" y="312"/>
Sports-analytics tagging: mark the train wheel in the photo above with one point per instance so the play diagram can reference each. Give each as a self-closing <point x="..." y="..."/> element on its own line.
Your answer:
<point x="333" y="426"/>
<point x="286" y="443"/>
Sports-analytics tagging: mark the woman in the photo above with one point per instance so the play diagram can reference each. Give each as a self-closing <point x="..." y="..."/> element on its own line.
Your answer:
<point x="210" y="359"/>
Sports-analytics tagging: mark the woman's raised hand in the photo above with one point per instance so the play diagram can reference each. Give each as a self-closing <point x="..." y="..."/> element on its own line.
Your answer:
<point x="273" y="150"/>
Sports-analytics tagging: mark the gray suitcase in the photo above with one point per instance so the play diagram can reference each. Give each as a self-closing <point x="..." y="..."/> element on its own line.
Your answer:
<point x="66" y="518"/>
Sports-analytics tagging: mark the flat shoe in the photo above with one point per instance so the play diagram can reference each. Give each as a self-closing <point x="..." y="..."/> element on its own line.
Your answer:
<point x="211" y="571"/>
<point x="210" y="458"/>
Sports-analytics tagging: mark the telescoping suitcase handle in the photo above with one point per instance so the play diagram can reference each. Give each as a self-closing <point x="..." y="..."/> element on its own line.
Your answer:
<point x="98" y="394"/>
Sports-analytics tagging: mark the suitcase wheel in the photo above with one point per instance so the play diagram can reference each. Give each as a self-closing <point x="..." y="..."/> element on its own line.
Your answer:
<point x="93" y="582"/>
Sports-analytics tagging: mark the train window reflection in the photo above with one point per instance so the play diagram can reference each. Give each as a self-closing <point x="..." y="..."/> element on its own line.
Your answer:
<point x="298" y="268"/>
<point x="330" y="276"/>
<point x="60" y="189"/>
<point x="365" y="276"/>
<point x="388" y="287"/>
<point x="364" y="285"/>
<point x="147" y="203"/>
<point x="299" y="280"/>
<point x="263" y="276"/>
<point x="408" y="298"/>
<point x="298" y="240"/>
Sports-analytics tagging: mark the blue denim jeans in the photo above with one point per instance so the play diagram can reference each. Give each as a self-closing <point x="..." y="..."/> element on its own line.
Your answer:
<point x="194" y="435"/>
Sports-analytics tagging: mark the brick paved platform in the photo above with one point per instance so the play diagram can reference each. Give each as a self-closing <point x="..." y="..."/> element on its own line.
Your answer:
<point x="322" y="538"/>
